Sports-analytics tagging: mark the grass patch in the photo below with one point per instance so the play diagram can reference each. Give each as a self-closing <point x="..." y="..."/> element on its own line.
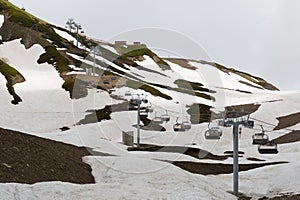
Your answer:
<point x="53" y="57"/>
<point x="12" y="77"/>
<point x="134" y="52"/>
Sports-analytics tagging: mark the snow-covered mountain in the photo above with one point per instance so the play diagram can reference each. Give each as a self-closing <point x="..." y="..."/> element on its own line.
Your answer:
<point x="48" y="89"/>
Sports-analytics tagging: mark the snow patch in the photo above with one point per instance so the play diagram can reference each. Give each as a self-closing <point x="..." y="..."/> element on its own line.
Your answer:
<point x="1" y="20"/>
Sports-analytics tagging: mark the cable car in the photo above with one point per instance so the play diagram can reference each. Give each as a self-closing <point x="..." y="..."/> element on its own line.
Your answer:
<point x="165" y="117"/>
<point x="260" y="138"/>
<point x="213" y="133"/>
<point x="268" y="148"/>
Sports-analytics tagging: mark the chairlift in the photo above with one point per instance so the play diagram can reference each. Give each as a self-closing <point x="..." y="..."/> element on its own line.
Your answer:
<point x="143" y="113"/>
<point x="165" y="117"/>
<point x="187" y="124"/>
<point x="128" y="93"/>
<point x="268" y="148"/>
<point x="213" y="133"/>
<point x="149" y="109"/>
<point x="157" y="119"/>
<point x="260" y="138"/>
<point x="178" y="126"/>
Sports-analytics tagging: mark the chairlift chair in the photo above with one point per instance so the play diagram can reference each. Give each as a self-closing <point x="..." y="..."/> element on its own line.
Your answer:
<point x="149" y="109"/>
<point x="260" y="138"/>
<point x="165" y="117"/>
<point x="268" y="148"/>
<point x="157" y="119"/>
<point x="178" y="126"/>
<point x="187" y="124"/>
<point x="143" y="113"/>
<point x="127" y="93"/>
<point x="213" y="133"/>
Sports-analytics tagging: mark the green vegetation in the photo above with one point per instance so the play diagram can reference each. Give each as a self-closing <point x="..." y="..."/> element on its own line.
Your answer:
<point x="137" y="85"/>
<point x="23" y="18"/>
<point x="12" y="77"/>
<point x="17" y="15"/>
<point x="199" y="113"/>
<point x="53" y="57"/>
<point x="136" y="51"/>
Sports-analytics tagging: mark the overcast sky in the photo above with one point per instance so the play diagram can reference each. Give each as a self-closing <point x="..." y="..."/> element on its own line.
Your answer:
<point x="261" y="37"/>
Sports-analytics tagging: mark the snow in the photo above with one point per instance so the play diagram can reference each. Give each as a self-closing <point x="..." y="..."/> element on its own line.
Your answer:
<point x="67" y="36"/>
<point x="141" y="175"/>
<point x="1" y="20"/>
<point x="42" y="94"/>
<point x="110" y="48"/>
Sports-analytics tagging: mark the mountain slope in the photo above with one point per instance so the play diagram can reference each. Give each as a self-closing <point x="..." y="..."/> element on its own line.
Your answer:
<point x="46" y="89"/>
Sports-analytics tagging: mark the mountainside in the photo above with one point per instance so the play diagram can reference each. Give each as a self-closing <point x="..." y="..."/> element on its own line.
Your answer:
<point x="83" y="96"/>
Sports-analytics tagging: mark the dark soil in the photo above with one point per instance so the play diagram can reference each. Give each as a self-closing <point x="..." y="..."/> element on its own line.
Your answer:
<point x="29" y="159"/>
<point x="193" y="152"/>
<point x="199" y="168"/>
<point x="291" y="137"/>
<point x="283" y="197"/>
<point x="255" y="159"/>
<point x="217" y="168"/>
<point x="241" y="110"/>
<point x="288" y="121"/>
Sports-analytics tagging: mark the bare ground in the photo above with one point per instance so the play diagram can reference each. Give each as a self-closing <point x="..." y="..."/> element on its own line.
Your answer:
<point x="291" y="137"/>
<point x="288" y="121"/>
<point x="29" y="159"/>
